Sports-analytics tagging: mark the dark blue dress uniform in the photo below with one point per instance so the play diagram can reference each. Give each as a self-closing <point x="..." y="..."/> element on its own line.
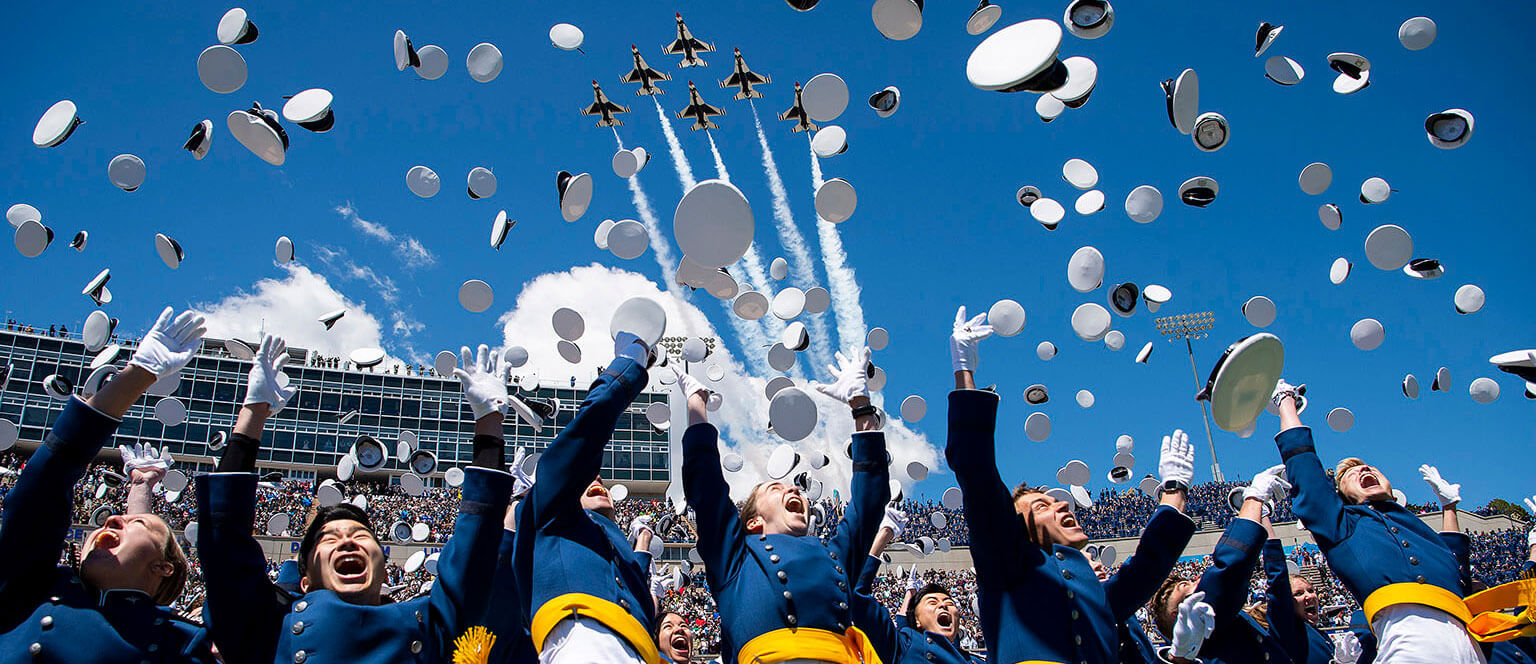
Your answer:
<point x="47" y="612"/>
<point x="568" y="561"/>
<point x="1382" y="553"/>
<point x="1139" y="577"/>
<point x="1304" y="643"/>
<point x="252" y="621"/>
<point x="781" y="596"/>
<point x="896" y="640"/>
<point x="506" y="619"/>
<point x="1237" y="637"/>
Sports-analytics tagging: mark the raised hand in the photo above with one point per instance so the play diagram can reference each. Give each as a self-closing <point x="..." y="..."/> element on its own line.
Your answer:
<point x="1269" y="485"/>
<point x="1448" y="494"/>
<point x="170" y="344"/>
<point x="484" y="377"/>
<point x="1346" y="648"/>
<point x="896" y="520"/>
<point x="1177" y="459"/>
<point x="1195" y="621"/>
<point x="964" y="339"/>
<point x="262" y="385"/>
<point x="850" y="374"/>
<point x="687" y="384"/>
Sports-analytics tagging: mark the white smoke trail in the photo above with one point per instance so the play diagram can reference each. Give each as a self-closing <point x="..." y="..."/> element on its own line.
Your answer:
<point x="679" y="160"/>
<point x="840" y="280"/>
<point x="802" y="268"/>
<point x="660" y="248"/>
<point x="754" y="336"/>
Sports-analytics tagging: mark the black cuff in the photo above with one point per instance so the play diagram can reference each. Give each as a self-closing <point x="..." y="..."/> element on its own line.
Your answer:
<point x="240" y="454"/>
<point x="489" y="452"/>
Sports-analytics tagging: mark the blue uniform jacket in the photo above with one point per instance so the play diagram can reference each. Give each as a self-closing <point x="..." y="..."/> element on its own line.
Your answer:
<point x="763" y="583"/>
<point x="1304" y="643"/>
<point x="1367" y="546"/>
<point x="505" y="619"/>
<point x="1139" y="577"/>
<point x="895" y="640"/>
<point x="47" y="612"/>
<point x="1237" y="638"/>
<point x="252" y="621"/>
<point x="561" y="548"/>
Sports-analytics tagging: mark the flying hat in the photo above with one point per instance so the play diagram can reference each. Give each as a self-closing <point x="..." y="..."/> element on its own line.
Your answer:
<point x="825" y="96"/>
<point x="792" y="415"/>
<point x="983" y="18"/>
<point x="885" y="102"/>
<point x="877" y="379"/>
<point x="1019" y="57"/>
<point x="345" y="467"/>
<point x="278" y="524"/>
<point x="1144" y="353"/>
<point x="1341" y="419"/>
<point x="367" y="357"/>
<point x="78" y="243"/>
<point x="1240" y="385"/>
<point x="20" y="213"/>
<point x="1424" y="268"/>
<point x="1123" y="299"/>
<point x="782" y="461"/>
<point x="58" y="386"/>
<point x="170" y="251"/>
<point x="221" y="69"/>
<point x="235" y="27"/>
<point x="952" y="499"/>
<point x="1090" y="202"/>
<point x="789" y="303"/>
<point x="1198" y="191"/>
<point x="400" y="531"/>
<point x="1410" y="386"/>
<point x="829" y="141"/>
<point x="778" y="383"/>
<point x="939" y="520"/>
<point x="795" y="337"/>
<point x="1374" y="190"/>
<point x="721" y="285"/>
<point x="1484" y="390"/>
<point x="1339" y="271"/>
<point x="628" y="239"/>
<point x="1354" y="72"/>
<point x="1449" y="129"/>
<point x="1082" y="76"/>
<point x="100" y="515"/>
<point x="715" y="372"/>
<point x="1468" y="299"/>
<point x="1442" y="381"/>
<point x="1283" y="70"/>
<point x="1183" y="97"/>
<point x="1331" y="216"/>
<point x="1367" y="334"/>
<point x="1259" y="310"/>
<point x="575" y="194"/>
<point x="405" y="53"/>
<point x="913" y="408"/>
<point x="780" y="357"/>
<point x="369" y="453"/>
<point x="640" y="316"/>
<point x="445" y="362"/>
<point x="568" y="324"/>
<point x="658" y="413"/>
<point x="500" y="226"/>
<point x="56" y="126"/>
<point x="433" y="62"/>
<point x="126" y="171"/>
<point x="917" y="471"/>
<point x="97" y="330"/>
<point x="311" y="109"/>
<point x="165" y="385"/>
<point x="1118" y="475"/>
<point x="1124" y="444"/>
<point x="482" y="183"/>
<point x="713" y="224"/>
<point x="817" y="299"/>
<point x="1048" y="212"/>
<point x="484" y="62"/>
<point x="1080" y="497"/>
<point x="877" y="339"/>
<point x="1144" y="204"/>
<point x="96" y="288"/>
<point x="260" y="134"/>
<point x="617" y="493"/>
<point x="1085" y="269"/>
<point x="1045" y="351"/>
<point x="170" y="411"/>
<point x="284" y="250"/>
<point x="1211" y="132"/>
<point x="1315" y="178"/>
<point x="836" y="200"/>
<point x="476" y="296"/>
<point x="600" y="235"/>
<point x="200" y="139"/>
<point x="1266" y="36"/>
<point x="422" y="462"/>
<point x="778" y="269"/>
<point x="750" y="305"/>
<point x="898" y="19"/>
<point x="515" y="356"/>
<point x="1089" y="19"/>
<point x="1036" y="395"/>
<point x="1150" y="486"/>
<point x="1114" y="340"/>
<point x="406" y="443"/>
<point x="238" y="349"/>
<point x="566" y="37"/>
<point x="1389" y="247"/>
<point x="1048" y="107"/>
<point x="1084" y="398"/>
<point x="422" y="181"/>
<point x="1006" y="317"/>
<point x="1417" y="33"/>
<point x="1037" y="427"/>
<point x="1028" y="194"/>
<point x="1080" y="174"/>
<point x="626" y="163"/>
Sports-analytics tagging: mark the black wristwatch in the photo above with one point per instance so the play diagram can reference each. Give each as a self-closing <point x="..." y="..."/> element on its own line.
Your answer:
<point x="1172" y="486"/>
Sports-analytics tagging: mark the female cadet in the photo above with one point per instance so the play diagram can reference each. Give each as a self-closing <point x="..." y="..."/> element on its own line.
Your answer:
<point x="783" y="592"/>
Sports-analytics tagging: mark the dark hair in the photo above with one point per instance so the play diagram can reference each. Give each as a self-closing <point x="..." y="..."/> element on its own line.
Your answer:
<point x="324" y="515"/>
<point x="661" y="617"/>
<point x="1033" y="533"/>
<point x="917" y="597"/>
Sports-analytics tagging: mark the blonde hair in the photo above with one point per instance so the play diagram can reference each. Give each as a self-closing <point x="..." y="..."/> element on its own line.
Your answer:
<point x="749" y="506"/>
<point x="171" y="586"/>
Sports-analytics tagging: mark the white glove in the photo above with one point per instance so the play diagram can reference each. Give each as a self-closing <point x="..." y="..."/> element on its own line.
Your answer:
<point x="1177" y="460"/>
<point x="521" y="482"/>
<point x="145" y="456"/>
<point x="914" y="582"/>
<point x="1530" y="505"/>
<point x="896" y="520"/>
<point x="1448" y="494"/>
<point x="1269" y="485"/>
<point x="639" y="525"/>
<point x="688" y="384"/>
<point x="1346" y="648"/>
<point x="631" y="346"/>
<point x="1530" y="540"/>
<point x="966" y="336"/>
<point x="851" y="374"/>
<point x="261" y="383"/>
<point x="484" y="379"/>
<point x="1284" y="389"/>
<point x="169" y="346"/>
<point x="1195" y="621"/>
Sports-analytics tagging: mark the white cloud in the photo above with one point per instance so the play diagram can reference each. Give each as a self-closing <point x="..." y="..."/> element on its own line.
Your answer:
<point x="595" y="291"/>
<point x="288" y="307"/>
<point x="410" y="250"/>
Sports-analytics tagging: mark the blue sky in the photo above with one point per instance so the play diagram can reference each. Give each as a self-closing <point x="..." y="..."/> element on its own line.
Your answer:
<point x="937" y="225"/>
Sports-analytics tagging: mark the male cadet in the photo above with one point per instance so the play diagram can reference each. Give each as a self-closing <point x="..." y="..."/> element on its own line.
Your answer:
<point x="343" y="615"/>
<point x="587" y="592"/>
<point x="928" y="630"/>
<point x="1040" y="598"/>
<point x="1396" y="567"/>
<point x="784" y="594"/>
<point x="112" y="608"/>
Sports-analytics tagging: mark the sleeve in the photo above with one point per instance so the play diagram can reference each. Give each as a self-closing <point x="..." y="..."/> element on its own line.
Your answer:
<point x="1225" y="582"/>
<point x="871" y="489"/>
<point x="866" y="581"/>
<point x="871" y="616"/>
<point x="242" y="609"/>
<point x="461" y="594"/>
<point x="1316" y="502"/>
<point x="505" y="617"/>
<point x="1290" y="631"/>
<point x="1460" y="545"/>
<point x="37" y="508"/>
<point x="1167" y="533"/>
<point x="721" y="532"/>
<point x="997" y="538"/>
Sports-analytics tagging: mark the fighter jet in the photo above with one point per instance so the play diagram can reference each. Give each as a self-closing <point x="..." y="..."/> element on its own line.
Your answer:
<point x="797" y="113"/>
<point x="645" y="76"/>
<point x="688" y="47"/>
<point x="745" y="78"/>
<point x="605" y="108"/>
<point x="699" y="111"/>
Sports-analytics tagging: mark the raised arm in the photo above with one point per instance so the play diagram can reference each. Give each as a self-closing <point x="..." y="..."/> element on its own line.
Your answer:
<point x="721" y="534"/>
<point x="1317" y="501"/>
<point x="1225" y="583"/>
<point x="145" y="469"/>
<point x="1166" y="535"/>
<point x="1284" y="625"/>
<point x="871" y="487"/>
<point x="869" y="614"/>
<point x="1448" y="494"/>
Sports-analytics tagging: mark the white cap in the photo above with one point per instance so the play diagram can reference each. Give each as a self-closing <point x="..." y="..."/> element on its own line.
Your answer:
<point x="792" y="414"/>
<point x="1389" y="247"/>
<point x="1082" y="77"/>
<point x="1037" y="427"/>
<point x="482" y="182"/>
<point x="628" y="239"/>
<point x="795" y="337"/>
<point x="170" y="411"/>
<point x="1468" y="299"/>
<point x="1144" y="204"/>
<point x="1085" y="269"/>
<point x="1260" y="311"/>
<point x="1339" y="271"/>
<point x="1019" y="57"/>
<point x="775" y="384"/>
<point x="1048" y="212"/>
<point x="1442" y="381"/>
<point x="433" y="64"/>
<point x="1144" y="353"/>
<point x="885" y="102"/>
<point x="789" y="303"/>
<point x="1085" y="398"/>
<point x="913" y="408"/>
<point x="169" y="250"/>
<point x="953" y="498"/>
<point x="640" y="316"/>
<point x="1090" y="202"/>
<point x="476" y="296"/>
<point x="1375" y="190"/>
<point x="484" y="62"/>
<point x="126" y="171"/>
<point x="825" y="96"/>
<point x="713" y="224"/>
<point x="983" y="18"/>
<point x="1354" y="72"/>
<point x="1315" y="178"/>
<point x="1341" y="419"/>
<point x="200" y="139"/>
<point x="575" y="193"/>
<point x="1080" y="174"/>
<point x="566" y="37"/>
<point x="405" y="53"/>
<point x="236" y="28"/>
<point x="221" y="69"/>
<point x="836" y="200"/>
<point x="829" y="141"/>
<point x="1424" y="268"/>
<point x="1074" y="473"/>
<point x="1449" y="129"/>
<point x="283" y="251"/>
<point x="1045" y="351"/>
<point x="877" y="339"/>
<point x="1089" y="19"/>
<point x="817" y="299"/>
<point x="568" y="324"/>
<point x="1091" y="321"/>
<point x="898" y="19"/>
<point x="1048" y="107"/>
<point x="1198" y="191"/>
<point x="1036" y="395"/>
<point x="1331" y="216"/>
<point x="278" y="524"/>
<point x="1265" y="37"/>
<point x="1367" y="334"/>
<point x="1006" y="318"/>
<point x="1483" y="390"/>
<point x="500" y="226"/>
<point x="1114" y="340"/>
<point x="1183" y="98"/>
<point x="259" y="134"/>
<point x="780" y="357"/>
<point x="311" y="109"/>
<point x="1417" y="33"/>
<point x="1283" y="70"/>
<point x="1410" y="386"/>
<point x="750" y="305"/>
<point x="1211" y="132"/>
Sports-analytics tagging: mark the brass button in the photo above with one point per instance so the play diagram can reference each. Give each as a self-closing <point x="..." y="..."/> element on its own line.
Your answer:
<point x="1074" y="614"/>
<point x="1059" y="556"/>
<point x="1420" y="579"/>
<point x="842" y="606"/>
<point x="1405" y="544"/>
<point x="774" y="559"/>
<point x="46" y="622"/>
<point x="299" y="657"/>
<point x="767" y="547"/>
<point x="415" y="647"/>
<point x="1066" y="574"/>
<point x="1413" y="560"/>
<point x="788" y="596"/>
<point x="298" y="628"/>
<point x="783" y="576"/>
<point x="790" y="619"/>
<point x="299" y="608"/>
<point x="1078" y="639"/>
<point x="1071" y="594"/>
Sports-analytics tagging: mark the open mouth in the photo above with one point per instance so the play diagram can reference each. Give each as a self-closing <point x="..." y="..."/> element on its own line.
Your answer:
<point x="106" y="540"/>
<point x="1369" y="481"/>
<point x="351" y="567"/>
<point x="945" y="619"/>
<point x="794" y="503"/>
<point x="680" y="642"/>
<point x="1068" y="521"/>
<point x="596" y="492"/>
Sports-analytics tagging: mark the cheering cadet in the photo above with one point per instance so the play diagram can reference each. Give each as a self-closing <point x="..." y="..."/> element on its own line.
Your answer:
<point x="112" y="608"/>
<point x="673" y="638"/>
<point x="784" y="593"/>
<point x="343" y="615"/>
<point x="145" y="469"/>
<point x="928" y="629"/>
<point x="587" y="590"/>
<point x="505" y="620"/>
<point x="1397" y="568"/>
<point x="1292" y="613"/>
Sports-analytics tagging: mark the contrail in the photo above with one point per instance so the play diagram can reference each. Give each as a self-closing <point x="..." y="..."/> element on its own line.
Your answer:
<point x="802" y="269"/>
<point x="840" y="279"/>
<point x="679" y="160"/>
<point x="754" y="336"/>
<point x="659" y="246"/>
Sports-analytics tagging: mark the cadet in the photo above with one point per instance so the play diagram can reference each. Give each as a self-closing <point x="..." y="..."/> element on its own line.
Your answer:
<point x="674" y="638"/>
<point x="113" y="607"/>
<point x="342" y="615"/>
<point x="784" y="593"/>
<point x="928" y="629"/>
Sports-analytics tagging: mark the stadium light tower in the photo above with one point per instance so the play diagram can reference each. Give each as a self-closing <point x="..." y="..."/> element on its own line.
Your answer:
<point x="1190" y="327"/>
